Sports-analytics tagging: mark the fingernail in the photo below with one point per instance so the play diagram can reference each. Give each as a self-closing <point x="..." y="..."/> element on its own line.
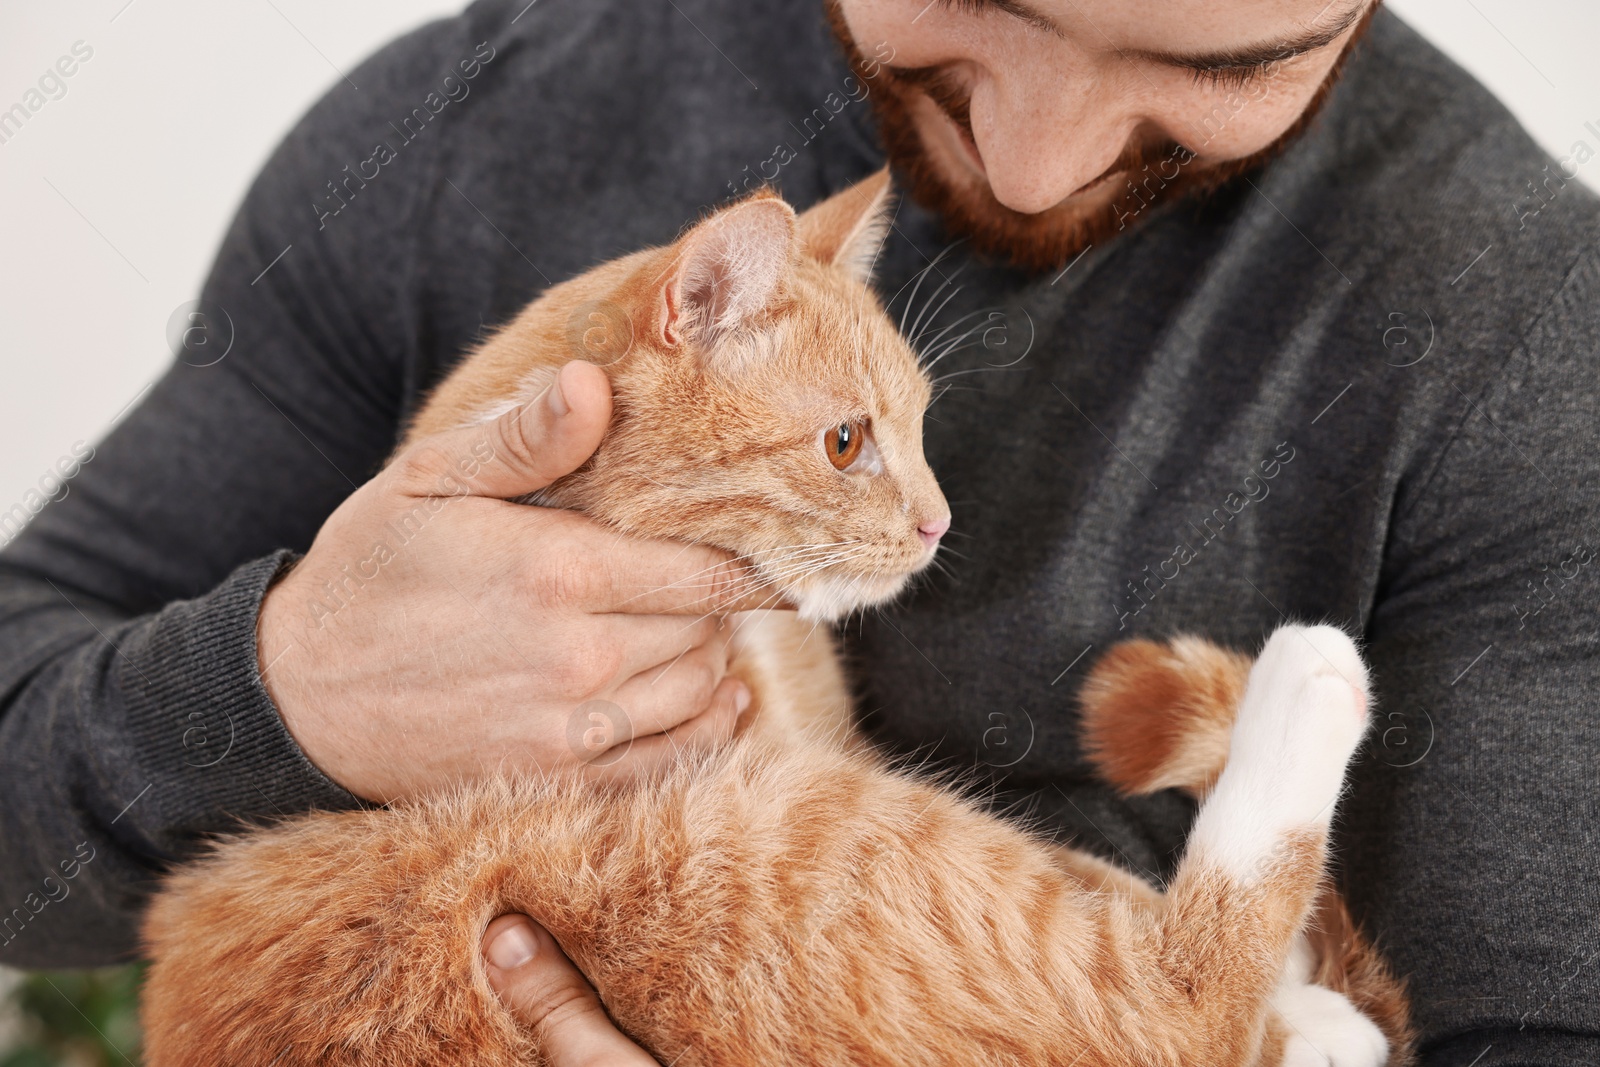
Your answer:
<point x="556" y="399"/>
<point x="741" y="699"/>
<point x="513" y="946"/>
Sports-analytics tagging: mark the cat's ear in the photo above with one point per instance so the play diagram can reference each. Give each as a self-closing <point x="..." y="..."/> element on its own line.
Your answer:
<point x="726" y="270"/>
<point x="848" y="228"/>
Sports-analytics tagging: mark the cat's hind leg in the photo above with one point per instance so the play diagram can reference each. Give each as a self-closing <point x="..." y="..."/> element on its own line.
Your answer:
<point x="1301" y="718"/>
<point x="1160" y="715"/>
<point x="1322" y="1028"/>
<point x="1255" y="859"/>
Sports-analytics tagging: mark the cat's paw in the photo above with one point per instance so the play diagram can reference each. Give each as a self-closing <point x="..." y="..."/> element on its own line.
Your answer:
<point x="1326" y="1030"/>
<point x="1294" y="655"/>
<point x="1303" y="715"/>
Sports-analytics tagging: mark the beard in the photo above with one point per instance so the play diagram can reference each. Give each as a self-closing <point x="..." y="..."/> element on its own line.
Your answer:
<point x="1144" y="176"/>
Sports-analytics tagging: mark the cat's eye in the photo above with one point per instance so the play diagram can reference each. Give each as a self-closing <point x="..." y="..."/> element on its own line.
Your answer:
<point x="843" y="443"/>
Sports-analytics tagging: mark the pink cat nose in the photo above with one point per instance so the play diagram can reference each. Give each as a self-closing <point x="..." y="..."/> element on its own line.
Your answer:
<point x="932" y="531"/>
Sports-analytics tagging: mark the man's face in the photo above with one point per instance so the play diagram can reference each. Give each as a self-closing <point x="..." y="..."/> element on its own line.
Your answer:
<point x="1039" y="127"/>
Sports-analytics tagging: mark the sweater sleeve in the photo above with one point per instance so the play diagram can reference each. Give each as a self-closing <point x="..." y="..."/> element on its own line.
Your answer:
<point x="133" y="718"/>
<point x="1475" y="861"/>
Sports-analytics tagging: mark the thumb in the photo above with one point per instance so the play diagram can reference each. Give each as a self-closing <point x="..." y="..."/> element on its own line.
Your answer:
<point x="548" y="995"/>
<point x="520" y="452"/>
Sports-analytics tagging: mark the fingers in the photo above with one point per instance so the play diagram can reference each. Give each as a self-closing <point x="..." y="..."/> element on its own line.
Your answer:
<point x="679" y="701"/>
<point x="646" y="755"/>
<point x="648" y="642"/>
<point x="670" y="693"/>
<point x="545" y="993"/>
<point x="522" y="451"/>
<point x="647" y="577"/>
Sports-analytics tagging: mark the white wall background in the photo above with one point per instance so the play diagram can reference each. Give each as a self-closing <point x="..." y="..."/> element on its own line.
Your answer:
<point x="114" y="197"/>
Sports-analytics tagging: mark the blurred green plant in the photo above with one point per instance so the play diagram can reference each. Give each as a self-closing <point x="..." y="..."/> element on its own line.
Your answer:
<point x="76" y="1019"/>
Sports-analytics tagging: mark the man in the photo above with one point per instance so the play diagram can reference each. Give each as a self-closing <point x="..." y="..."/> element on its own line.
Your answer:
<point x="1247" y="310"/>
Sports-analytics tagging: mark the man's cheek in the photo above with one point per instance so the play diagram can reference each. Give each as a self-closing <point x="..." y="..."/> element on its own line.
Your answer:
<point x="1250" y="127"/>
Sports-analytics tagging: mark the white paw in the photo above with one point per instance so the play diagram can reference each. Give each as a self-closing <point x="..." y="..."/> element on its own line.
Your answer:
<point x="1326" y="1030"/>
<point x="1302" y="716"/>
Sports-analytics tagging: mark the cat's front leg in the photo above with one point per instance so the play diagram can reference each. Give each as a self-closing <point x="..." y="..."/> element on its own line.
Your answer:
<point x="797" y="682"/>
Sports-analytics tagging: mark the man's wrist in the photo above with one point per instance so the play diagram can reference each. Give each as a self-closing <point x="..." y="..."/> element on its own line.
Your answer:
<point x="205" y="729"/>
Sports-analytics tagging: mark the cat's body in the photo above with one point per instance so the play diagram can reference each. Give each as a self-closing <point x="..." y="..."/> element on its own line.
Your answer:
<point x="789" y="898"/>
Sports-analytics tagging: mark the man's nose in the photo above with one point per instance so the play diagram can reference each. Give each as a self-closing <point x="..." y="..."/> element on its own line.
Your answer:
<point x="1039" y="151"/>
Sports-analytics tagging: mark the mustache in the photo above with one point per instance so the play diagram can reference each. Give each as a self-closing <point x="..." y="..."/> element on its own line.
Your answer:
<point x="951" y="96"/>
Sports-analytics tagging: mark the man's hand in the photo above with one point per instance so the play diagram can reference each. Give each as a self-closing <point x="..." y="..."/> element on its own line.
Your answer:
<point x="435" y="632"/>
<point x="548" y="995"/>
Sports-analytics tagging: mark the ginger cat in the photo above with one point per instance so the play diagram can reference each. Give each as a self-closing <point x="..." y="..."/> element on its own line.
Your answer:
<point x="791" y="898"/>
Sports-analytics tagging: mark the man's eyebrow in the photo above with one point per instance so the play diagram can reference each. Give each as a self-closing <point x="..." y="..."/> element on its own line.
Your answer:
<point x="1015" y="8"/>
<point x="1261" y="54"/>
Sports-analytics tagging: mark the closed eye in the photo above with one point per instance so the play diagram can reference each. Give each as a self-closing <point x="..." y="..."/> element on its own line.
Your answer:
<point x="1238" y="66"/>
<point x="1229" y="77"/>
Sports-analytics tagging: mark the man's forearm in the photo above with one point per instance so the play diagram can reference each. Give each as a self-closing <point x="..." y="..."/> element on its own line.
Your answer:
<point x="122" y="743"/>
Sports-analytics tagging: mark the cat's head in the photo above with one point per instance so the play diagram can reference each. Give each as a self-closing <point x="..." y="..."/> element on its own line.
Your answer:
<point x="764" y="401"/>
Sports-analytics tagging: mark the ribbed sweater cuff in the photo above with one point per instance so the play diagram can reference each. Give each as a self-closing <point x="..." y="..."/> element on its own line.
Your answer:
<point x="203" y="725"/>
